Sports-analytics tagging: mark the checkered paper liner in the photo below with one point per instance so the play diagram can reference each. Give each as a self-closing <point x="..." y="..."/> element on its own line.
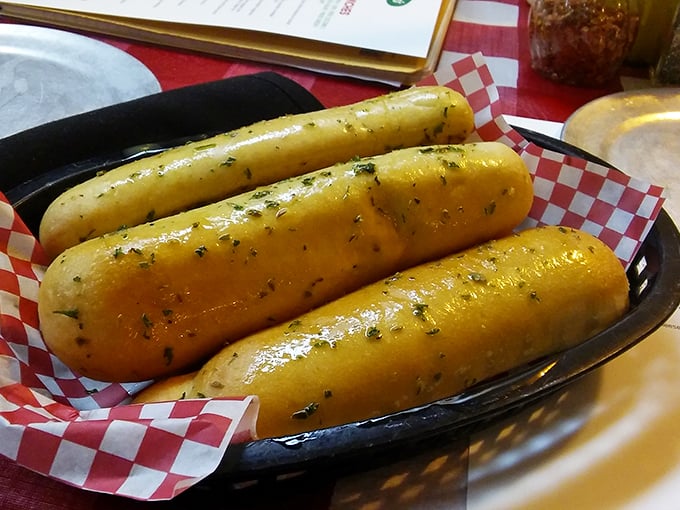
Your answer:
<point x="568" y="191"/>
<point x="87" y="434"/>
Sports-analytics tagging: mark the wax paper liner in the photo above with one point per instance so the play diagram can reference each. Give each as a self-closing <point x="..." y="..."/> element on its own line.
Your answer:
<point x="85" y="433"/>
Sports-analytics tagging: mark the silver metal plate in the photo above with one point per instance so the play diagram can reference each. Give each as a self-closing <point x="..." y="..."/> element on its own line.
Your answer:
<point x="637" y="132"/>
<point x="48" y="74"/>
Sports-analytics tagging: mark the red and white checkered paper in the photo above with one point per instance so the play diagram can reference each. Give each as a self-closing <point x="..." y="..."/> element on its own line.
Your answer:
<point x="85" y="433"/>
<point x="568" y="191"/>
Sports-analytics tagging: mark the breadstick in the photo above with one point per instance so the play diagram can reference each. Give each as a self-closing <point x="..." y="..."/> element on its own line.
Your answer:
<point x="210" y="170"/>
<point x="155" y="299"/>
<point x="421" y="335"/>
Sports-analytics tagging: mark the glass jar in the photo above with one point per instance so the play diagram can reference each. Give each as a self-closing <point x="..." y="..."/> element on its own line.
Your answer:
<point x="580" y="42"/>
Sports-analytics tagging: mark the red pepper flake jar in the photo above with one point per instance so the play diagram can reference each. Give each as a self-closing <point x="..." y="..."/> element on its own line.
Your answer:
<point x="580" y="42"/>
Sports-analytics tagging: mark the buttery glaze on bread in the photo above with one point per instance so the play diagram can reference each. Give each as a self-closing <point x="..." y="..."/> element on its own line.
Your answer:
<point x="423" y="334"/>
<point x="154" y="299"/>
<point x="209" y="170"/>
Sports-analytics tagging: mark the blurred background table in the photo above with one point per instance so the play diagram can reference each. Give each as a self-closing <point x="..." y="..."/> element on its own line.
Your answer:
<point x="610" y="440"/>
<point x="496" y="28"/>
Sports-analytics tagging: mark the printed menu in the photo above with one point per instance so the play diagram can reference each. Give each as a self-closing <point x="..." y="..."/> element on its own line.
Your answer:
<point x="396" y="40"/>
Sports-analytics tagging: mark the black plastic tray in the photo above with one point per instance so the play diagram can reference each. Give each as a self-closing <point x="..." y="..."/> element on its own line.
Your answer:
<point x="655" y="294"/>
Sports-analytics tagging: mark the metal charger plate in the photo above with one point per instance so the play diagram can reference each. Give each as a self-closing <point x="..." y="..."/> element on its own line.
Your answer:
<point x="48" y="74"/>
<point x="636" y="131"/>
<point x="655" y="295"/>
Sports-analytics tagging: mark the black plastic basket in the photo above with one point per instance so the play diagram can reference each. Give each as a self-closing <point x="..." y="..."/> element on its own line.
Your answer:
<point x="654" y="280"/>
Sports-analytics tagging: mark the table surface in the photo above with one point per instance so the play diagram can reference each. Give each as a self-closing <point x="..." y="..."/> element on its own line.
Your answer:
<point x="609" y="440"/>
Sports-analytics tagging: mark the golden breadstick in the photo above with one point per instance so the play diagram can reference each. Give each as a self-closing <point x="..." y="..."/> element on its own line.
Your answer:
<point x="424" y="334"/>
<point x="210" y="170"/>
<point x="155" y="299"/>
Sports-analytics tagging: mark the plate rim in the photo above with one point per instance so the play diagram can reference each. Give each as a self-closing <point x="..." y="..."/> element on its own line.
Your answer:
<point x="112" y="69"/>
<point x="660" y="92"/>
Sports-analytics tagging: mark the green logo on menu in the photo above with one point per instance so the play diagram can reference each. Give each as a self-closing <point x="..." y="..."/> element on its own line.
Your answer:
<point x="397" y="3"/>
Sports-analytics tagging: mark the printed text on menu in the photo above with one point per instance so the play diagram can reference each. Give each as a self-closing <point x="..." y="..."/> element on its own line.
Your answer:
<point x="406" y="26"/>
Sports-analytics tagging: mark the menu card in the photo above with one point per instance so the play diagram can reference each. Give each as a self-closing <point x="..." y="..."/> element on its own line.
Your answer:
<point x="331" y="35"/>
